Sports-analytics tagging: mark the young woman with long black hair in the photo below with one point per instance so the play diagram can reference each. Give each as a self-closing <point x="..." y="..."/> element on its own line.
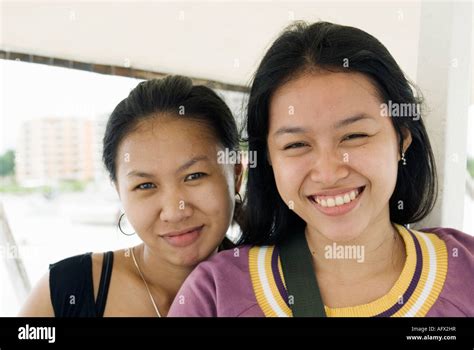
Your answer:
<point x="340" y="175"/>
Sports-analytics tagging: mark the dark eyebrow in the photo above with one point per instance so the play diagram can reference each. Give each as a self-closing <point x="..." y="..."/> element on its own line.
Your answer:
<point x="351" y="120"/>
<point x="139" y="174"/>
<point x="185" y="166"/>
<point x="191" y="162"/>
<point x="289" y="130"/>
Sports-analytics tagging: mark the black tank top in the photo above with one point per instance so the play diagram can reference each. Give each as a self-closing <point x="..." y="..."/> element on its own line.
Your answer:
<point x="72" y="289"/>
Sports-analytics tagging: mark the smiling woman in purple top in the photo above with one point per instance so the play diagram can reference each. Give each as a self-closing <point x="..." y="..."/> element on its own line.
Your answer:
<point x="336" y="163"/>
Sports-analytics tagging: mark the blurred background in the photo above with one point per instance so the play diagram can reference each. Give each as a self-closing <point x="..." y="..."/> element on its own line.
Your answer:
<point x="64" y="65"/>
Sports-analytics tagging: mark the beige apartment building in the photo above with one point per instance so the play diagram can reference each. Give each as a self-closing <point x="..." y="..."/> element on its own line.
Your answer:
<point x="55" y="149"/>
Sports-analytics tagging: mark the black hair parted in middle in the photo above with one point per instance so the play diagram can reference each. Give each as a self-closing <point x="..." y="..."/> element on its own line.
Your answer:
<point x="303" y="48"/>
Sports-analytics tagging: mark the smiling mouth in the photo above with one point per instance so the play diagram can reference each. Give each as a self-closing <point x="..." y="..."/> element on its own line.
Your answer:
<point x="183" y="238"/>
<point x="338" y="200"/>
<point x="183" y="232"/>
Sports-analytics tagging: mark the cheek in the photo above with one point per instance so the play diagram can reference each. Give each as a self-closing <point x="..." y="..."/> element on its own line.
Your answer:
<point x="139" y="211"/>
<point x="289" y="175"/>
<point x="215" y="200"/>
<point x="377" y="162"/>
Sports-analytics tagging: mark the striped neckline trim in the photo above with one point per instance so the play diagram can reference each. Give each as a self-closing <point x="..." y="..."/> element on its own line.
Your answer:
<point x="413" y="294"/>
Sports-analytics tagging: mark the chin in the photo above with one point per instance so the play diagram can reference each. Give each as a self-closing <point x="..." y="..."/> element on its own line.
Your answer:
<point x="190" y="258"/>
<point x="340" y="237"/>
<point x="340" y="232"/>
<point x="186" y="261"/>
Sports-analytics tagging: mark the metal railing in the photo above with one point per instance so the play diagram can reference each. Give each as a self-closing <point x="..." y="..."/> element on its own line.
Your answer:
<point x="11" y="258"/>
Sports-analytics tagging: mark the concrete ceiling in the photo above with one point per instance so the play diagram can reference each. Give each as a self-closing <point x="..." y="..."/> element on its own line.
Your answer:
<point x="221" y="41"/>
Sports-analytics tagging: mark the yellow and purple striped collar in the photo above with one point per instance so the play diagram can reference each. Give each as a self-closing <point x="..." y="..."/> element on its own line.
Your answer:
<point x="413" y="294"/>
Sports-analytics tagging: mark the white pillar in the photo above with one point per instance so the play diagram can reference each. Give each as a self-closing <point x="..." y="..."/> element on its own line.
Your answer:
<point x="444" y="76"/>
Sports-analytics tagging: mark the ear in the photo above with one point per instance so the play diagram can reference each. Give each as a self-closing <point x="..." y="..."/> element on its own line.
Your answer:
<point x="407" y="139"/>
<point x="239" y="175"/>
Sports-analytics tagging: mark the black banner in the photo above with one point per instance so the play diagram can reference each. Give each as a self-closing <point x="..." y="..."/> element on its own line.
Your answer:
<point x="451" y="333"/>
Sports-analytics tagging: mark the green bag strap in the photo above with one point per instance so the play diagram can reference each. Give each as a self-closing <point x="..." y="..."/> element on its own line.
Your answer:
<point x="301" y="284"/>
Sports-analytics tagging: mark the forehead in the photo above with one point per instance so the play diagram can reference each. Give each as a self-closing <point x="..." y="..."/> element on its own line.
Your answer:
<point x="324" y="94"/>
<point x="166" y="140"/>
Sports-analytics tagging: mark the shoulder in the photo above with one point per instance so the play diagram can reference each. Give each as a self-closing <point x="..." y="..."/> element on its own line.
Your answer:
<point x="74" y="284"/>
<point x="70" y="279"/>
<point x="452" y="236"/>
<point x="69" y="272"/>
<point x="72" y="263"/>
<point x="459" y="245"/>
<point x="456" y="294"/>
<point x="86" y="264"/>
<point x="71" y="288"/>
<point x="41" y="299"/>
<point x="219" y="286"/>
<point x="38" y="303"/>
<point x="216" y="270"/>
<point x="231" y="260"/>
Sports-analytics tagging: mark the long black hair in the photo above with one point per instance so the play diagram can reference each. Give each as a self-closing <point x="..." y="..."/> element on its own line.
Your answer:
<point x="302" y="48"/>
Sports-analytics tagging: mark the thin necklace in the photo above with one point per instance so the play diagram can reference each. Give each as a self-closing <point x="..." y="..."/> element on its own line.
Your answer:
<point x="146" y="284"/>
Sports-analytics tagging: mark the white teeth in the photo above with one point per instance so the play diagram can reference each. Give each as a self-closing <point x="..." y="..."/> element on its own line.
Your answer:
<point x="347" y="198"/>
<point x="337" y="200"/>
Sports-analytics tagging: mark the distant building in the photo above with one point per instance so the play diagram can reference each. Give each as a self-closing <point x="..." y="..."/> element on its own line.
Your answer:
<point x="100" y="173"/>
<point x="54" y="149"/>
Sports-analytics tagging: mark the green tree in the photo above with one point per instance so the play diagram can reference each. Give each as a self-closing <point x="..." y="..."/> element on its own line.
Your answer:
<point x="7" y="163"/>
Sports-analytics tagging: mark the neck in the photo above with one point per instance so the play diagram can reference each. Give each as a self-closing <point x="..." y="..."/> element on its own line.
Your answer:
<point x="164" y="279"/>
<point x="377" y="251"/>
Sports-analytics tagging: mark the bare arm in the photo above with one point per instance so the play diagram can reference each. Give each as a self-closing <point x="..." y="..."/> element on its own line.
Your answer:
<point x="38" y="303"/>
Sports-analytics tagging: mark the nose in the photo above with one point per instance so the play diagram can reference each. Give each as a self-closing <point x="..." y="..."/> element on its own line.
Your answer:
<point x="329" y="167"/>
<point x="174" y="207"/>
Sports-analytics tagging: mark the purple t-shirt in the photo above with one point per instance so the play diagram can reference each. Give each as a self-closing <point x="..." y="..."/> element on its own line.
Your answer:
<point x="437" y="280"/>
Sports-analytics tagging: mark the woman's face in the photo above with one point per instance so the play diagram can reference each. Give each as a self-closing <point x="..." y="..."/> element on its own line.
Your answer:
<point x="333" y="155"/>
<point x="175" y="194"/>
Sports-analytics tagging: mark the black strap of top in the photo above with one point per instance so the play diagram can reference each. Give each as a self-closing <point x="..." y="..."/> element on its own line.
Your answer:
<point x="297" y="265"/>
<point x="70" y="283"/>
<point x="104" y="283"/>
